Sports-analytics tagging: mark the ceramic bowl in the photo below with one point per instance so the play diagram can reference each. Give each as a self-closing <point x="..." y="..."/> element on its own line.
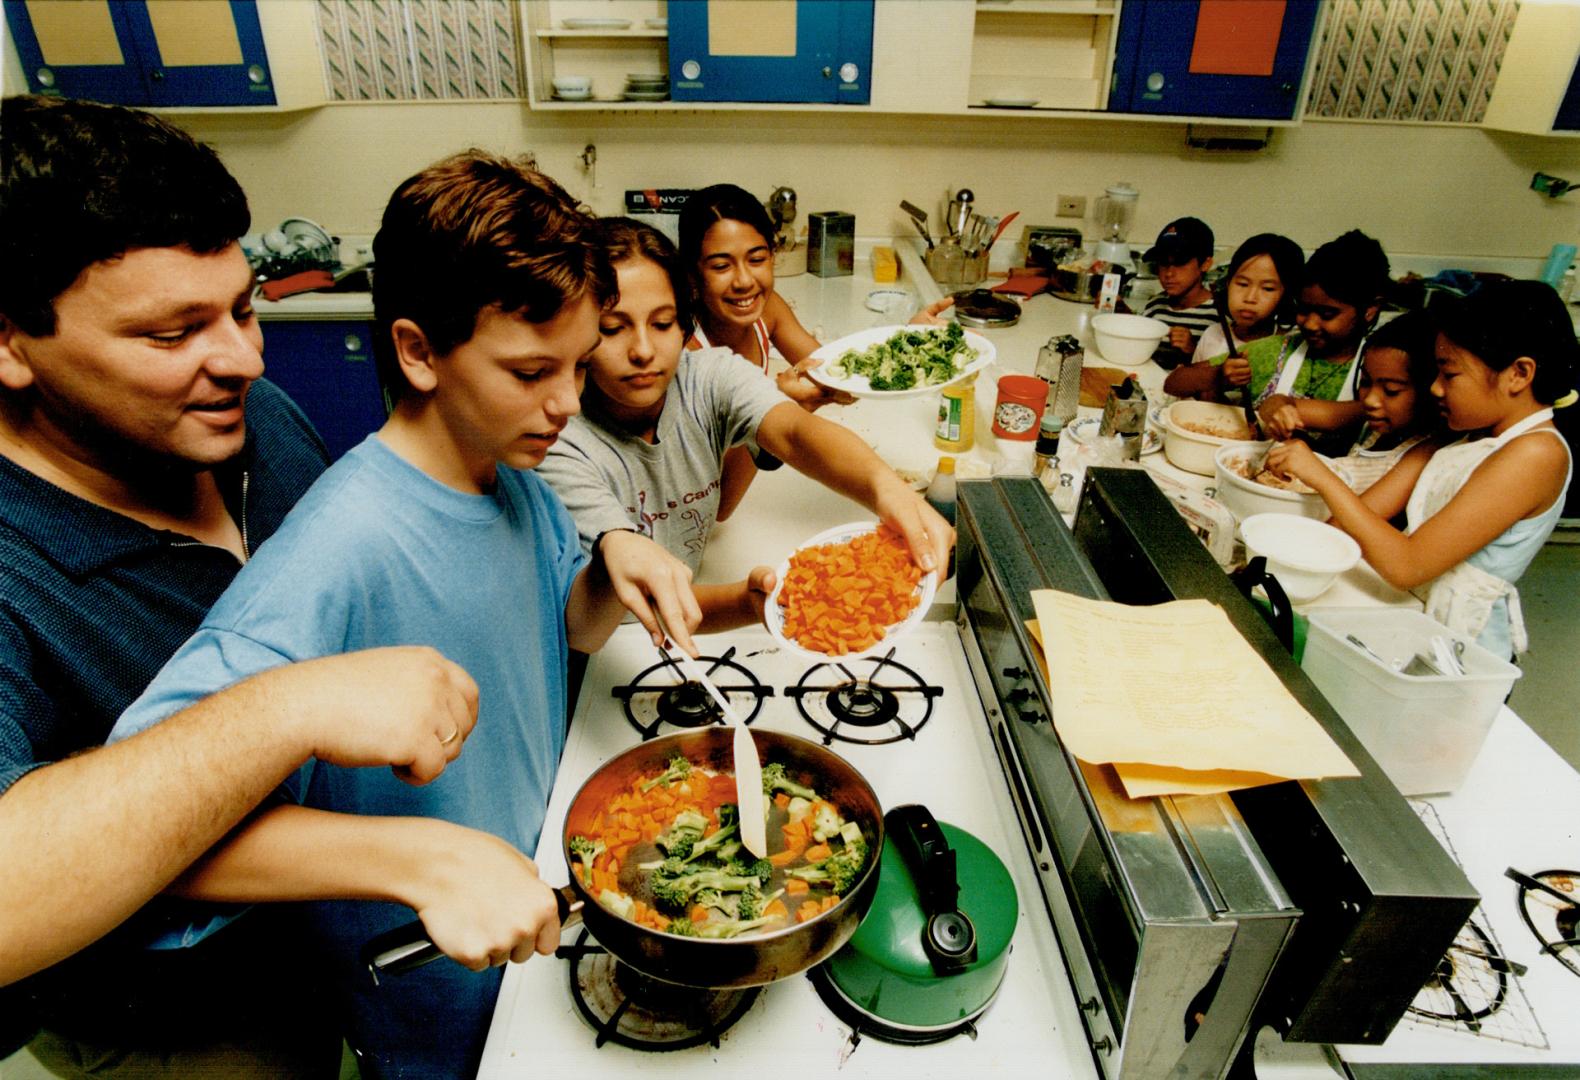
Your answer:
<point x="1246" y="498"/>
<point x="1304" y="555"/>
<point x="1127" y="340"/>
<point x="572" y="84"/>
<point x="1193" y="450"/>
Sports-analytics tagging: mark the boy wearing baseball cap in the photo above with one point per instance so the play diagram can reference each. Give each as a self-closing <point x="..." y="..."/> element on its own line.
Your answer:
<point x="1182" y="254"/>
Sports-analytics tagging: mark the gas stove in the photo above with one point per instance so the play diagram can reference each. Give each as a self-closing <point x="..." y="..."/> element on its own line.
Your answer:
<point x="912" y="723"/>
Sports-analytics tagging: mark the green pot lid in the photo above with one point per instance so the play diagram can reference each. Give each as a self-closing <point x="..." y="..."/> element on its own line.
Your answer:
<point x="884" y="969"/>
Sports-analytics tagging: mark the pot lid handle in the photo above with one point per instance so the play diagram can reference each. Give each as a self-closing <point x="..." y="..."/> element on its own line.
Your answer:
<point x="949" y="939"/>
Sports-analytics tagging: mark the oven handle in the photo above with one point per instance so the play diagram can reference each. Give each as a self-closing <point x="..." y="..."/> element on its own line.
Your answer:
<point x="407" y="948"/>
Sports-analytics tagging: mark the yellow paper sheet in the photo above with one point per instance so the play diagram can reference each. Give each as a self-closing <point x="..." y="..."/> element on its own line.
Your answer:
<point x="1172" y="690"/>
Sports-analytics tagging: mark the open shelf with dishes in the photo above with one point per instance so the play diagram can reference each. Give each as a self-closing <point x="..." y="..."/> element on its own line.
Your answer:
<point x="1042" y="54"/>
<point x="592" y="53"/>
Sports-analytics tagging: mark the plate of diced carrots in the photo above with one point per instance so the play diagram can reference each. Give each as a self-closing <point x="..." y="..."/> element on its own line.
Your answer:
<point x="848" y="592"/>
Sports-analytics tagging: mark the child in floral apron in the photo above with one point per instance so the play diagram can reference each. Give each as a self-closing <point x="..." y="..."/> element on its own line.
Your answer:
<point x="1478" y="510"/>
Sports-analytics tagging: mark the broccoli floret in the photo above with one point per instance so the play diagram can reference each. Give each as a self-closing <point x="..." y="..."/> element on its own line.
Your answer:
<point x="838" y="872"/>
<point x="678" y="891"/>
<point x="729" y="815"/>
<point x="826" y="822"/>
<point x="586" y="851"/>
<point x="617" y="902"/>
<point x="761" y="869"/>
<point x="679" y="769"/>
<point x="774" y="779"/>
<point x="683" y="834"/>
<point x="728" y="928"/>
<point x="671" y="866"/>
<point x="681" y="928"/>
<point x="749" y="903"/>
<point x="715" y="842"/>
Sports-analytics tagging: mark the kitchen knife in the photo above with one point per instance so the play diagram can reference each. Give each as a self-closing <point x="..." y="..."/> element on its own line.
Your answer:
<point x="1247" y="399"/>
<point x="748" y="768"/>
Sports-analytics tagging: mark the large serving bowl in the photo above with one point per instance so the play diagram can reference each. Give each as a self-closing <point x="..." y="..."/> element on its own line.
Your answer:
<point x="1187" y="439"/>
<point x="1304" y="555"/>
<point x="1127" y="340"/>
<point x="1246" y="498"/>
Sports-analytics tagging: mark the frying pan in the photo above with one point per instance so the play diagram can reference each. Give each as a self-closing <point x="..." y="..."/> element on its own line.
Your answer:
<point x="753" y="960"/>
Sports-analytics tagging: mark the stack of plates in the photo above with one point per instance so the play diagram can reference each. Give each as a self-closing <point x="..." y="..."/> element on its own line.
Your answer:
<point x="579" y="95"/>
<point x="651" y="87"/>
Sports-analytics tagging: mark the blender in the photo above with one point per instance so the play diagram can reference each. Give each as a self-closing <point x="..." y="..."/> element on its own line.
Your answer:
<point x="1116" y="212"/>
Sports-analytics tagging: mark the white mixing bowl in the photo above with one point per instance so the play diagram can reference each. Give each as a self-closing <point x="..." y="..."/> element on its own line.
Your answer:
<point x="1193" y="450"/>
<point x="1127" y="340"/>
<point x="1246" y="498"/>
<point x="1304" y="555"/>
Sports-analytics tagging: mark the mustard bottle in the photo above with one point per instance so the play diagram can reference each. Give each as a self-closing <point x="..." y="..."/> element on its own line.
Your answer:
<point x="957" y="417"/>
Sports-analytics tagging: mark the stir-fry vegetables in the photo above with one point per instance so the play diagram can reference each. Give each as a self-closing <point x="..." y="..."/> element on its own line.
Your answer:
<point x="699" y="879"/>
<point x="842" y="598"/>
<point x="915" y="356"/>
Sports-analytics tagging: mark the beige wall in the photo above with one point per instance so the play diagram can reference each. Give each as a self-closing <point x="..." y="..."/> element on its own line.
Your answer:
<point x="1419" y="189"/>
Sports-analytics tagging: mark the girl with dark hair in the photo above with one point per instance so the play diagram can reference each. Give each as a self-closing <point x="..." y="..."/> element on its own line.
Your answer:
<point x="1345" y="283"/>
<point x="1394" y="385"/>
<point x="647" y="452"/>
<point x="1257" y="298"/>
<point x="1478" y="510"/>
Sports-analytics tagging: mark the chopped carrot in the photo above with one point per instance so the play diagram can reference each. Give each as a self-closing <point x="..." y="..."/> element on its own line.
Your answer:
<point x="781" y="800"/>
<point x="776" y="909"/>
<point x="785" y="857"/>
<point x="697" y="914"/>
<point x="828" y="902"/>
<point x="818" y="852"/>
<point x="808" y="910"/>
<point x="795" y="886"/>
<point x="840" y="598"/>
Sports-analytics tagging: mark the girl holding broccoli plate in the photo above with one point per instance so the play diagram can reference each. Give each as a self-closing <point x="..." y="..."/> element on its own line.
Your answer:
<point x="647" y="451"/>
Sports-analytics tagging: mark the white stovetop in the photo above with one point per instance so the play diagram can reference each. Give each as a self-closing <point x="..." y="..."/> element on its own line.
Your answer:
<point x="1032" y="1026"/>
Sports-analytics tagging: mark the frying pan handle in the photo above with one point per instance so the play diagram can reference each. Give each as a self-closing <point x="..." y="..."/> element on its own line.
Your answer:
<point x="407" y="948"/>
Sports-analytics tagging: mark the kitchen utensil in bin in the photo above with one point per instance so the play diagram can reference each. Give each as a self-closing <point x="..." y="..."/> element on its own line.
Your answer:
<point x="730" y="963"/>
<point x="958" y="213"/>
<point x="748" y="768"/>
<point x="919" y="219"/>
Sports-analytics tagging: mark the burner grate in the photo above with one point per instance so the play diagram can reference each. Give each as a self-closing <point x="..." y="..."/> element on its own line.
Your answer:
<point x="1476" y="988"/>
<point x="1549" y="902"/>
<point x="663" y="695"/>
<point x="629" y="1009"/>
<point x="871" y="702"/>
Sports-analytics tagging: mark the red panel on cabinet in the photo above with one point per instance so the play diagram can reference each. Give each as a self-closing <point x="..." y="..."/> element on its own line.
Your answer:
<point x="1236" y="37"/>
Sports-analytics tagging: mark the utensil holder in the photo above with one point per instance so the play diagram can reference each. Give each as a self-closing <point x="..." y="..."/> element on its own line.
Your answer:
<point x="949" y="264"/>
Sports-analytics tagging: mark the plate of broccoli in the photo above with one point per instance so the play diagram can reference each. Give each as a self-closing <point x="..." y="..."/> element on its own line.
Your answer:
<point x="901" y="361"/>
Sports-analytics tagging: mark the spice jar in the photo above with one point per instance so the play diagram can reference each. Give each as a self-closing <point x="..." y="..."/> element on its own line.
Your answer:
<point x="1019" y="410"/>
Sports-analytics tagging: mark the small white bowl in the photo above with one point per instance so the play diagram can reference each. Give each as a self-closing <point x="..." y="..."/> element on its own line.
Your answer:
<point x="1304" y="555"/>
<point x="1128" y="340"/>
<point x="1246" y="498"/>
<point x="1193" y="450"/>
<point x="573" y="84"/>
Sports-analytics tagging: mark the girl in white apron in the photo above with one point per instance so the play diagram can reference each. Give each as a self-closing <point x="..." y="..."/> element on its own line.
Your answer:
<point x="1394" y="386"/>
<point x="1478" y="510"/>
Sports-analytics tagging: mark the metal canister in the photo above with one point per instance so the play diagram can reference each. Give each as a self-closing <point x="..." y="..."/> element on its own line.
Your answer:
<point x="1125" y="415"/>
<point x="831" y="244"/>
<point x="1059" y="365"/>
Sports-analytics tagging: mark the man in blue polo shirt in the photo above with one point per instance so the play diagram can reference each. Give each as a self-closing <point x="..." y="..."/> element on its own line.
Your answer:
<point x="142" y="461"/>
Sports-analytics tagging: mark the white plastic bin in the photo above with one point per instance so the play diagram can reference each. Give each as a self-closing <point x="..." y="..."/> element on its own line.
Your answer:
<point x="1424" y="730"/>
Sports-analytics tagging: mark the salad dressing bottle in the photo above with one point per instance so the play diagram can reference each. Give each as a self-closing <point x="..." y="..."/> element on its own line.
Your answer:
<point x="957" y="417"/>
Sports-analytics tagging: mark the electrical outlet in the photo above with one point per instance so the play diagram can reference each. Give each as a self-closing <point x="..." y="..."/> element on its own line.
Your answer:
<point x="1072" y="206"/>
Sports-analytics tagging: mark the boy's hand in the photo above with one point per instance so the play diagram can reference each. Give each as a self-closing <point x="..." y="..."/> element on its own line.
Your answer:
<point x="406" y="707"/>
<point x="811" y="395"/>
<point x="1280" y="417"/>
<point x="1180" y="339"/>
<point x="653" y="585"/>
<point x="1235" y="371"/>
<point x="759" y="583"/>
<point x="482" y="901"/>
<point x="928" y="316"/>
<point x="926" y="533"/>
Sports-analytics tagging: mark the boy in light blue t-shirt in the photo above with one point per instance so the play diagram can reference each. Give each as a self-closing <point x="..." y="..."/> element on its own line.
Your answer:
<point x="435" y="532"/>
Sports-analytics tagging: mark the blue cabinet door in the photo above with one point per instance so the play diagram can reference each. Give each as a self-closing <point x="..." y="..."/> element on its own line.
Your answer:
<point x="120" y="51"/>
<point x="801" y="51"/>
<point x="327" y="369"/>
<point x="1240" y="59"/>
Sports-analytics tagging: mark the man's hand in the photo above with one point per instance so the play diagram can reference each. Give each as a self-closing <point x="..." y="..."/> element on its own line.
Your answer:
<point x="807" y="392"/>
<point x="482" y="901"/>
<point x="1235" y="371"/>
<point x="653" y="585"/>
<point x="926" y="533"/>
<point x="406" y="707"/>
<point x="1280" y="417"/>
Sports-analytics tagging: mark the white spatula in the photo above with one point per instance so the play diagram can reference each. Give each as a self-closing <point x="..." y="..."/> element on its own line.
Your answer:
<point x="748" y="769"/>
